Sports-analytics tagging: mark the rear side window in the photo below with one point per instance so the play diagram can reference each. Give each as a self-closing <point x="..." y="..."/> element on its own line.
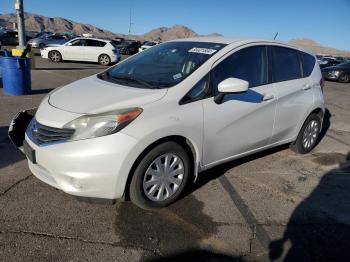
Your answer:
<point x="286" y="64"/>
<point x="93" y="43"/>
<point x="308" y="62"/>
<point x="102" y="44"/>
<point x="248" y="64"/>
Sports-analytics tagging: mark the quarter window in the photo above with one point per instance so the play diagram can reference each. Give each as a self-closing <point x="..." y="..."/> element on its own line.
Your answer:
<point x="308" y="62"/>
<point x="199" y="91"/>
<point x="286" y="64"/>
<point x="248" y="64"/>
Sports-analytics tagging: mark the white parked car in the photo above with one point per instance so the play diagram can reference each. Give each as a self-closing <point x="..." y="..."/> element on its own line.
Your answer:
<point x="147" y="45"/>
<point x="147" y="126"/>
<point x="83" y="49"/>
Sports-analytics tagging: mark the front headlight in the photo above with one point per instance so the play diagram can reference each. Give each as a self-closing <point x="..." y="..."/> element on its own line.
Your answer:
<point x="90" y="126"/>
<point x="336" y="73"/>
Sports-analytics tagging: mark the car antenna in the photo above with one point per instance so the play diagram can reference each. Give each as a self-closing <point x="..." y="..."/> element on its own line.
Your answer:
<point x="275" y="36"/>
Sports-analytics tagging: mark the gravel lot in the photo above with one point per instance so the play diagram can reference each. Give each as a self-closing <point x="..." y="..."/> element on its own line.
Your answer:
<point x="277" y="203"/>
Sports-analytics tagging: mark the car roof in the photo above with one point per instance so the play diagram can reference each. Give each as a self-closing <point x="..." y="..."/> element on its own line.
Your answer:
<point x="92" y="38"/>
<point x="241" y="41"/>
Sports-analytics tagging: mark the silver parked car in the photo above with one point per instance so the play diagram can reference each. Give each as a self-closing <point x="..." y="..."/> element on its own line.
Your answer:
<point x="47" y="40"/>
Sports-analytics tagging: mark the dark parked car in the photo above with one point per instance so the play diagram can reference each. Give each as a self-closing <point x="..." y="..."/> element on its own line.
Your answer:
<point x="326" y="62"/>
<point x="339" y="72"/>
<point x="128" y="47"/>
<point x="10" y="38"/>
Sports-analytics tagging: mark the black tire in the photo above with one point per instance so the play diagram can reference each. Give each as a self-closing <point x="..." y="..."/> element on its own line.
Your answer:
<point x="299" y="146"/>
<point x="41" y="45"/>
<point x="55" y="56"/>
<point x="344" y="78"/>
<point x="104" y="60"/>
<point x="136" y="190"/>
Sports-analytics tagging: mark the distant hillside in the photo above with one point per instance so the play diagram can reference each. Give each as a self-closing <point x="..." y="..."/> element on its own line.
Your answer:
<point x="56" y="24"/>
<point x="317" y="48"/>
<point x="35" y="22"/>
<point x="170" y="33"/>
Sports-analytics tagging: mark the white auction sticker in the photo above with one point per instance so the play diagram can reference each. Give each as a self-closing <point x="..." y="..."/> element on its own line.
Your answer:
<point x="199" y="50"/>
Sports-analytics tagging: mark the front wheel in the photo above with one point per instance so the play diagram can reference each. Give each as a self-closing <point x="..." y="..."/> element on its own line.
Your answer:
<point x="104" y="60"/>
<point x="160" y="177"/>
<point x="308" y="135"/>
<point x="344" y="78"/>
<point x="55" y="56"/>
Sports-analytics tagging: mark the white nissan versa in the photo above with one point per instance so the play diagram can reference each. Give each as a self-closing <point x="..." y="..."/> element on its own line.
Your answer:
<point x="145" y="127"/>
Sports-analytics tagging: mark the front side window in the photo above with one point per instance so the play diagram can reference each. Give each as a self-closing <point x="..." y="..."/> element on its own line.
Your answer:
<point x="78" y="42"/>
<point x="162" y="66"/>
<point x="248" y="64"/>
<point x="286" y="64"/>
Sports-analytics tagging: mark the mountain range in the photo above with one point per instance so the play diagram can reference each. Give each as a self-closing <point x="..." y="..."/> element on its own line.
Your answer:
<point x="39" y="23"/>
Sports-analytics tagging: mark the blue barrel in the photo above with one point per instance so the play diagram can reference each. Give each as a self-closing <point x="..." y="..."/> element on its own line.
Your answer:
<point x="16" y="75"/>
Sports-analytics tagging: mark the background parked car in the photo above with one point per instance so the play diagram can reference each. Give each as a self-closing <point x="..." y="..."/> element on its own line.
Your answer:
<point x="329" y="61"/>
<point x="146" y="45"/>
<point x="46" y="40"/>
<point x="83" y="49"/>
<point x="340" y="72"/>
<point x="128" y="47"/>
<point x="10" y="38"/>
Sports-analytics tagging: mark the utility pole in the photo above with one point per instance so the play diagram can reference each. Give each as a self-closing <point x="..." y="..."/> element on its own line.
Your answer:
<point x="130" y="22"/>
<point x="20" y="24"/>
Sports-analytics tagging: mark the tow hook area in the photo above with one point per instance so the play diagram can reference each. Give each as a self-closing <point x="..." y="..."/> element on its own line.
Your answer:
<point x="18" y="127"/>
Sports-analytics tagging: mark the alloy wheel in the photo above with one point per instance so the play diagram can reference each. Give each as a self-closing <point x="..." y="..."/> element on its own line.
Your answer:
<point x="55" y="56"/>
<point x="310" y="134"/>
<point x="104" y="60"/>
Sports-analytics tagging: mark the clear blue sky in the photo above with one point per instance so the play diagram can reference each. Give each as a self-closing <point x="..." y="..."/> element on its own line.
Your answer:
<point x="325" y="21"/>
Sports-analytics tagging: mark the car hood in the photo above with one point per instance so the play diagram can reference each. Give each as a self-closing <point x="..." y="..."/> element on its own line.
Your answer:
<point x="333" y="68"/>
<point x="92" y="95"/>
<point x="48" y="45"/>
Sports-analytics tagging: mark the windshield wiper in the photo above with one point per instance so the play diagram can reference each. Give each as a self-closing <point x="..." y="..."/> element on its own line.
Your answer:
<point x="129" y="78"/>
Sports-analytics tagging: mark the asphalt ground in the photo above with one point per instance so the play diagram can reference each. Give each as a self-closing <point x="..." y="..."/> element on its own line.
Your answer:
<point x="275" y="205"/>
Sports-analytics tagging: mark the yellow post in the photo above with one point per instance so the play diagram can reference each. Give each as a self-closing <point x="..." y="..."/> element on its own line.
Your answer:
<point x="18" y="52"/>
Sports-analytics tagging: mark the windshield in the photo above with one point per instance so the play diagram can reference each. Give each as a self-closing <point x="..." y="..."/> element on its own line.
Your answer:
<point x="162" y="66"/>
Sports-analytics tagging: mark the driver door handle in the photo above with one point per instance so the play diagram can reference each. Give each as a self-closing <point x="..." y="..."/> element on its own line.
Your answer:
<point x="306" y="87"/>
<point x="268" y="97"/>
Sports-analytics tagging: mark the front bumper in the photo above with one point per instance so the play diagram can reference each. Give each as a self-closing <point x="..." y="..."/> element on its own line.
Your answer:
<point x="96" y="168"/>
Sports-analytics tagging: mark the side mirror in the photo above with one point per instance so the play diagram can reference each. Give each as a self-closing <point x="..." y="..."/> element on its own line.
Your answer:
<point x="230" y="86"/>
<point x="69" y="43"/>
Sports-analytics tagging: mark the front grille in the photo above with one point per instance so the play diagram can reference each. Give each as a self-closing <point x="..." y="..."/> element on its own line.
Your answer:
<point x="42" y="134"/>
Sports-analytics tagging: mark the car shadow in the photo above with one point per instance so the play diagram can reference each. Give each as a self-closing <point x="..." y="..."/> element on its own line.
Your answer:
<point x="195" y="255"/>
<point x="217" y="171"/>
<point x="40" y="91"/>
<point x="9" y="154"/>
<point x="319" y="227"/>
<point x="325" y="126"/>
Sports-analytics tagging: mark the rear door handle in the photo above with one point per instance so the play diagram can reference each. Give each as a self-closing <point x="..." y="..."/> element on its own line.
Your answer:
<point x="306" y="87"/>
<point x="268" y="97"/>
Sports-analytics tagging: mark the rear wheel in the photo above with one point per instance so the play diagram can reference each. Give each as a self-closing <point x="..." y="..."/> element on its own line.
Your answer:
<point x="104" y="60"/>
<point x="160" y="177"/>
<point x="344" y="78"/>
<point x="55" y="56"/>
<point x="308" y="135"/>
